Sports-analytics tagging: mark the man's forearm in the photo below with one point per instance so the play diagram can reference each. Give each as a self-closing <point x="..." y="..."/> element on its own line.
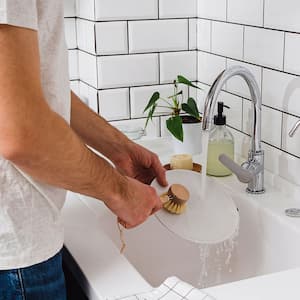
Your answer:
<point x="55" y="155"/>
<point x="96" y="131"/>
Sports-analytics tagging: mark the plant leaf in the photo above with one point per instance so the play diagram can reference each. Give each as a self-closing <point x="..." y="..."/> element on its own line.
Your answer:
<point x="179" y="93"/>
<point x="150" y="114"/>
<point x="191" y="108"/>
<point x="152" y="100"/>
<point x="185" y="81"/>
<point x="174" y="124"/>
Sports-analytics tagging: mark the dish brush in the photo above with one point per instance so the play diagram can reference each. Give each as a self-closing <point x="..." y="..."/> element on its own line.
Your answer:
<point x="174" y="200"/>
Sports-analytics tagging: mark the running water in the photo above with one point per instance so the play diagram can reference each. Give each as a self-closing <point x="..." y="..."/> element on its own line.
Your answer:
<point x="214" y="259"/>
<point x="205" y="139"/>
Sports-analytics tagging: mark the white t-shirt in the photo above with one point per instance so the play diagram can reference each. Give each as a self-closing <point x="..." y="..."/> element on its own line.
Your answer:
<point x="31" y="230"/>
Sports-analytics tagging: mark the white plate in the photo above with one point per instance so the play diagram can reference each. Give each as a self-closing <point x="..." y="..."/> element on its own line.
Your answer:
<point x="211" y="215"/>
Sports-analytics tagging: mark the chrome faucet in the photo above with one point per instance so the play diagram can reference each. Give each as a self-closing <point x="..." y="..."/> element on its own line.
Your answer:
<point x="294" y="129"/>
<point x="251" y="171"/>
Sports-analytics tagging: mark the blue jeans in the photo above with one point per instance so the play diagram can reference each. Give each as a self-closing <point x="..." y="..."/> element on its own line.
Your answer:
<point x="44" y="281"/>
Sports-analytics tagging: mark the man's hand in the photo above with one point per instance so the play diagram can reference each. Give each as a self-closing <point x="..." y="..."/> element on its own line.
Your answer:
<point x="137" y="202"/>
<point x="139" y="163"/>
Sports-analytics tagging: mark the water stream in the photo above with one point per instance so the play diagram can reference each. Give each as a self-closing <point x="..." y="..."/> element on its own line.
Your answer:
<point x="214" y="259"/>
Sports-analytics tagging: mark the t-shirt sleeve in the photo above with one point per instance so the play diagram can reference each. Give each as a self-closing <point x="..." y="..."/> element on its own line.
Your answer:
<point x="21" y="13"/>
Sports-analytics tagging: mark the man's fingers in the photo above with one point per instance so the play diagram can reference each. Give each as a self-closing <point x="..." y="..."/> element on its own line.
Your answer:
<point x="160" y="172"/>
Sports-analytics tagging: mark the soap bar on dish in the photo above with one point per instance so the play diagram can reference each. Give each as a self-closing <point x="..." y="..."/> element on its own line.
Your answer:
<point x="181" y="161"/>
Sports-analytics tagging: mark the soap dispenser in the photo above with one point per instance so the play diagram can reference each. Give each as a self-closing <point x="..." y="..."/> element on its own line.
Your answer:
<point x="220" y="141"/>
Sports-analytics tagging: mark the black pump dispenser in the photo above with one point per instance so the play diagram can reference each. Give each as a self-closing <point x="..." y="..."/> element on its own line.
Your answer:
<point x="220" y="119"/>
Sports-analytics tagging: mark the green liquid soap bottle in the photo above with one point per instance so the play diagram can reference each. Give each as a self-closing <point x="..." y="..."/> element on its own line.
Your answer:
<point x="220" y="141"/>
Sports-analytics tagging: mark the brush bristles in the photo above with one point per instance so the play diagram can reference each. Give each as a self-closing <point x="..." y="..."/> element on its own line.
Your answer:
<point x="174" y="208"/>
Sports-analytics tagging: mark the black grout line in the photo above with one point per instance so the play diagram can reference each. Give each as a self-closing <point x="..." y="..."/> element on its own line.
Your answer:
<point x="250" y="63"/>
<point x="211" y="37"/>
<point x="159" y="68"/>
<point x="135" y="53"/>
<point x="244" y="29"/>
<point x="281" y="131"/>
<point x="133" y="20"/>
<point x="127" y="28"/>
<point x="188" y="34"/>
<point x="250" y="25"/>
<point x="95" y="39"/>
<point x="129" y="103"/>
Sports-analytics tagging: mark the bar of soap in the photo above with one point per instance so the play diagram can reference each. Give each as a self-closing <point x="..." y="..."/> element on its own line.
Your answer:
<point x="181" y="161"/>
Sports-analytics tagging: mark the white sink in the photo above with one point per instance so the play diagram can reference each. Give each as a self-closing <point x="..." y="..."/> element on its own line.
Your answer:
<point x="268" y="242"/>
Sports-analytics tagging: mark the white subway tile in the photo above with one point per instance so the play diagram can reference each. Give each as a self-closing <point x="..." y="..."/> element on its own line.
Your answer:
<point x="159" y="35"/>
<point x="73" y="64"/>
<point x="127" y="70"/>
<point x="264" y="47"/>
<point x="201" y="95"/>
<point x="209" y="67"/>
<point x="140" y="96"/>
<point x="74" y="85"/>
<point x="114" y="104"/>
<point x="88" y="68"/>
<point x="282" y="164"/>
<point x="126" y="10"/>
<point x="70" y="33"/>
<point x="177" y="8"/>
<point x="86" y="9"/>
<point x="86" y="36"/>
<point x="292" y="53"/>
<point x="290" y="144"/>
<point x="152" y="130"/>
<point x="246" y="12"/>
<point x="270" y="123"/>
<point x="237" y="85"/>
<point x="178" y="63"/>
<point x="192" y="34"/>
<point x="227" y="39"/>
<point x="111" y="38"/>
<point x="235" y="112"/>
<point x="247" y="116"/>
<point x="282" y="15"/>
<point x="281" y="91"/>
<point x="241" y="145"/>
<point x="69" y="8"/>
<point x="204" y="35"/>
<point x="89" y="96"/>
<point x="212" y="9"/>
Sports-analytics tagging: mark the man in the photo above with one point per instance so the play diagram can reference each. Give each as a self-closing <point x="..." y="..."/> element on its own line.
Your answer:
<point x="41" y="155"/>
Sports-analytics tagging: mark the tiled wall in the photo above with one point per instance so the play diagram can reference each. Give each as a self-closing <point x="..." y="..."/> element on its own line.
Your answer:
<point x="126" y="50"/>
<point x="121" y="51"/>
<point x="264" y="36"/>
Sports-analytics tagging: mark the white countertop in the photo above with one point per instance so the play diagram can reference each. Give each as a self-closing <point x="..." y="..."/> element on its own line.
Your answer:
<point x="102" y="264"/>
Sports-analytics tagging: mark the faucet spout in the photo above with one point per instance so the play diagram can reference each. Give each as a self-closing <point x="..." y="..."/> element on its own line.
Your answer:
<point x="256" y="154"/>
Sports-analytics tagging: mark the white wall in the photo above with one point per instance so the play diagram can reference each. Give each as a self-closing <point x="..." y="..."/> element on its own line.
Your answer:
<point x="264" y="36"/>
<point x="121" y="51"/>
<point x="126" y="50"/>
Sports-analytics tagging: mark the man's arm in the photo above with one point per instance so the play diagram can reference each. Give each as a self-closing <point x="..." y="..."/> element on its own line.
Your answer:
<point x="131" y="158"/>
<point x="41" y="143"/>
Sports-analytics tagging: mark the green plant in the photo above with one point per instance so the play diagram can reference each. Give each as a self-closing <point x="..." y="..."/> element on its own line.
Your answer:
<point x="176" y="105"/>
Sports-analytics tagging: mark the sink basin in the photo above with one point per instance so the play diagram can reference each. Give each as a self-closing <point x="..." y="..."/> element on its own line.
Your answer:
<point x="268" y="242"/>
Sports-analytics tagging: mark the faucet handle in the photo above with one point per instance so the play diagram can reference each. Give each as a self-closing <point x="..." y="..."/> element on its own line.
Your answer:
<point x="244" y="173"/>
